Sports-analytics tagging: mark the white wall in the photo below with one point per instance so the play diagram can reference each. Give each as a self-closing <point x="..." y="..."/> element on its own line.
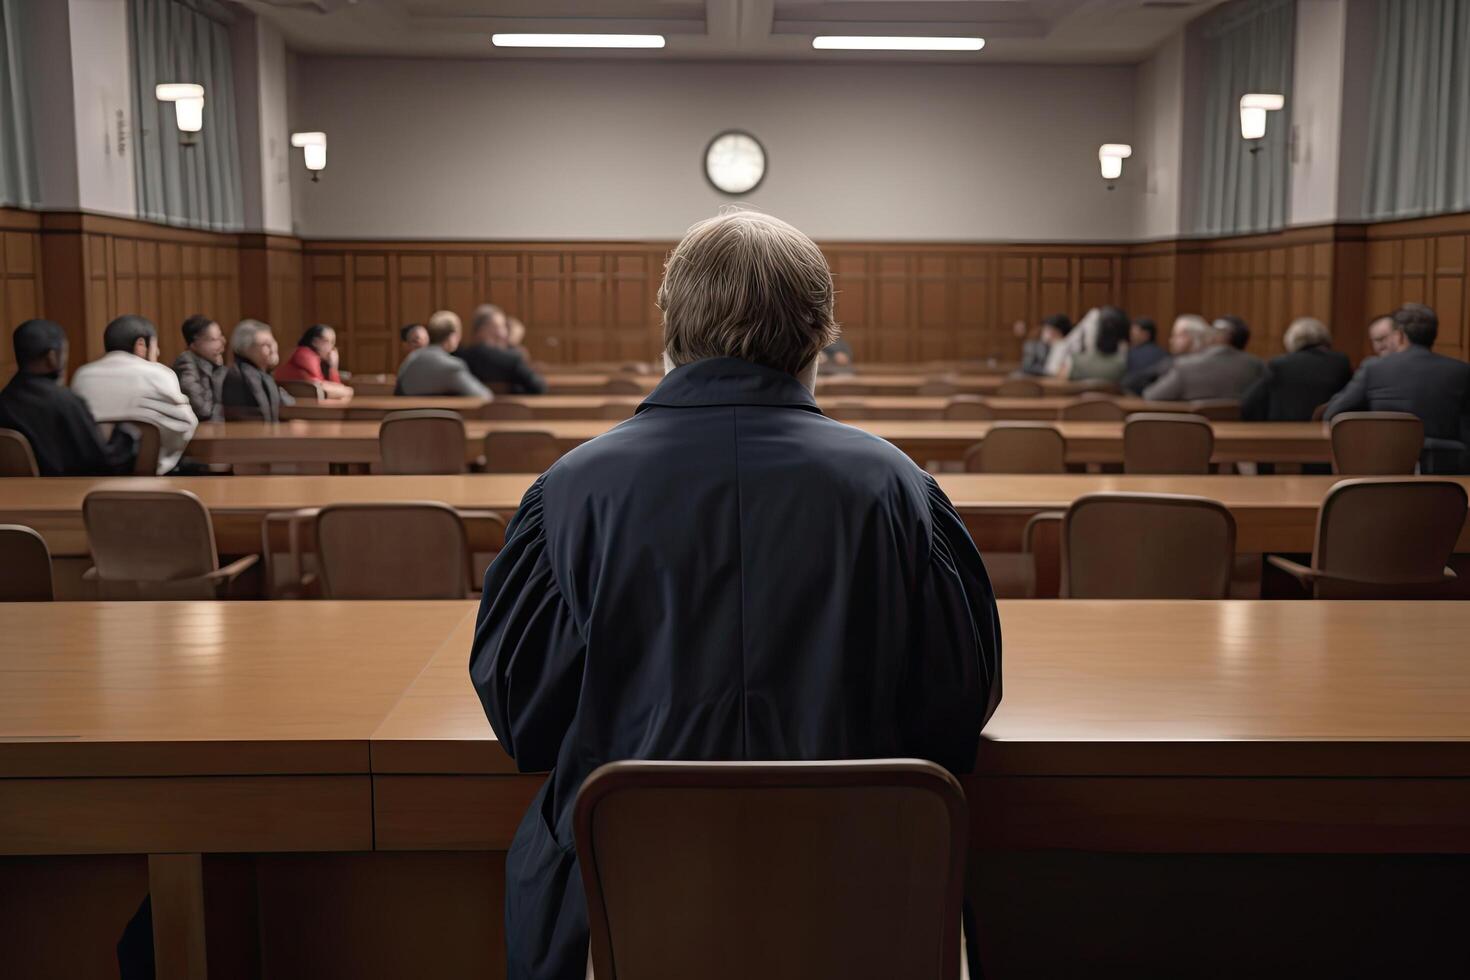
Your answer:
<point x="259" y="54"/>
<point x="1316" y="110"/>
<point x="102" y="87"/>
<point x="1158" y="141"/>
<point x="607" y="150"/>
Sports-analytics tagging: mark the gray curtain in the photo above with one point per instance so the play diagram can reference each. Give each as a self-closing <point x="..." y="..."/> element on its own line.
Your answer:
<point x="1249" y="47"/>
<point x="198" y="186"/>
<point x="19" y="181"/>
<point x="1419" y="117"/>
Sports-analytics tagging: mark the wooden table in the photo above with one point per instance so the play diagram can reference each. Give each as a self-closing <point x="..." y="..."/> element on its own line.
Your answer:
<point x="914" y="408"/>
<point x="1272" y="513"/>
<point x="319" y="443"/>
<point x="320" y="778"/>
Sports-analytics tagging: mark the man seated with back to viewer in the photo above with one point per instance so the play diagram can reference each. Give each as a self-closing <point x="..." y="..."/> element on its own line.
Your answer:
<point x="491" y="360"/>
<point x="433" y="369"/>
<point x="201" y="364"/>
<point x="1297" y="382"/>
<point x="1421" y="382"/>
<point x="128" y="384"/>
<point x="1206" y="364"/>
<point x="63" y="435"/>
<point x="247" y="390"/>
<point x="729" y="575"/>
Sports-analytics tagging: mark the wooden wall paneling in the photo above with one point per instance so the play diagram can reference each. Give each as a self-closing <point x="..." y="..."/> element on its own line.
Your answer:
<point x="374" y="338"/>
<point x="853" y="299"/>
<point x="459" y="287"/>
<point x="893" y="307"/>
<point x="546" y="303"/>
<point x="21" y="282"/>
<point x="1449" y="272"/>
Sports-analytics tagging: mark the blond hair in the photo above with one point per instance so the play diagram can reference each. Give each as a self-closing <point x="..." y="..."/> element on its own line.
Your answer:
<point x="1306" y="331"/>
<point x="745" y="284"/>
<point x="442" y="325"/>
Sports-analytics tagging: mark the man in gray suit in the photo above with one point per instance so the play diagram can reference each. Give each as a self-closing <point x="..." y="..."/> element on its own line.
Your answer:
<point x="433" y="369"/>
<point x="1217" y="370"/>
<point x="1418" y="381"/>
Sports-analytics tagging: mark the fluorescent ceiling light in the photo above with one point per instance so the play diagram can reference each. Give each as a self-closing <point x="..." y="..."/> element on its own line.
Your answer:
<point x="577" y="40"/>
<point x="839" y="42"/>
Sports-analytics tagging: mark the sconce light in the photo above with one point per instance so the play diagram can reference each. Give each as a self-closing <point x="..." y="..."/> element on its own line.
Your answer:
<point x="1111" y="157"/>
<point x="188" y="100"/>
<point x="1253" y="109"/>
<point x="314" y="148"/>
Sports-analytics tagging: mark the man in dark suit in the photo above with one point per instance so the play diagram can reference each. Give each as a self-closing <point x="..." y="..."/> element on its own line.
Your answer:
<point x="1421" y="382"/>
<point x="1306" y="376"/>
<point x="727" y="575"/>
<point x="491" y="359"/>
<point x="247" y="389"/>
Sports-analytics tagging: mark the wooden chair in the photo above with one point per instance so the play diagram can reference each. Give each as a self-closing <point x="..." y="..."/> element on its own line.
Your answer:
<point x="16" y="458"/>
<point x="622" y="386"/>
<point x="423" y="441"/>
<point x="968" y="407"/>
<point x="1035" y="571"/>
<point x="1376" y="443"/>
<point x="1216" y="409"/>
<point x="1020" y="388"/>
<point x="507" y="410"/>
<point x="25" y="565"/>
<point x="150" y="442"/>
<point x="520" y="452"/>
<point x="154" y="545"/>
<point x="1319" y="411"/>
<point x="392" y="551"/>
<point x="1019" y="447"/>
<point x="1147" y="546"/>
<point x="303" y="391"/>
<point x="1383" y="538"/>
<point x="1092" y="408"/>
<point x="1164" y="443"/>
<point x="726" y="870"/>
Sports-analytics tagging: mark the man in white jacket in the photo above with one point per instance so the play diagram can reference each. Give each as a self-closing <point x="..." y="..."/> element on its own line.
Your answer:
<point x="127" y="384"/>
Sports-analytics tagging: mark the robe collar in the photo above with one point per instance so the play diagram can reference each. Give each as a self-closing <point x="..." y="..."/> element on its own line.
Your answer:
<point x="729" y="381"/>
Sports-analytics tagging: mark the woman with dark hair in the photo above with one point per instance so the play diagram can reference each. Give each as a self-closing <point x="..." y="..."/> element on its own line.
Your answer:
<point x="315" y="360"/>
<point x="1107" y="359"/>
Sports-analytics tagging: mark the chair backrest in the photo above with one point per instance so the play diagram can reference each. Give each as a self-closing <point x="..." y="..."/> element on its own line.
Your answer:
<point x="850" y="410"/>
<point x="148" y="537"/>
<point x="520" y="452"/>
<point x="622" y="386"/>
<point x="1042" y="540"/>
<point x="968" y="407"/>
<point x="303" y="391"/>
<point x="392" y="551"/>
<point x="16" y="458"/>
<point x="1319" y="411"/>
<point x="1385" y="532"/>
<point x="1376" y="443"/>
<point x="425" y="440"/>
<point x="1019" y="388"/>
<point x="150" y="442"/>
<point x="1147" y="546"/>
<point x="498" y="409"/>
<point x="937" y="388"/>
<point x="782" y="871"/>
<point x="1019" y="447"/>
<point x="1092" y="409"/>
<point x="840" y="389"/>
<point x="615" y="410"/>
<point x="1216" y="409"/>
<point x="1165" y="443"/>
<point x="25" y="565"/>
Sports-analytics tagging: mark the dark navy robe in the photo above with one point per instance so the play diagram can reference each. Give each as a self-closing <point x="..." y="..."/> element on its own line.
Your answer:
<point x="727" y="575"/>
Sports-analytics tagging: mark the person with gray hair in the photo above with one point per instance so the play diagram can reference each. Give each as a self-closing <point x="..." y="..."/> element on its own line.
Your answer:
<point x="1206" y="364"/>
<point x="729" y="574"/>
<point x="1297" y="383"/>
<point x="247" y="389"/>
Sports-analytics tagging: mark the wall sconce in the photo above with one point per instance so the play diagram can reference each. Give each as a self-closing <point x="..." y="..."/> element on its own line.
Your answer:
<point x="314" y="148"/>
<point x="1111" y="156"/>
<point x="188" y="100"/>
<point x="1253" y="109"/>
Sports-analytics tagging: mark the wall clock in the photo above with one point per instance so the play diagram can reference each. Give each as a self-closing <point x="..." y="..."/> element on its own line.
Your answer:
<point x="735" y="162"/>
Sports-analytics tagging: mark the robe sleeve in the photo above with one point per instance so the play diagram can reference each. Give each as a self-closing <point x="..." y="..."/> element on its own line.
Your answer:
<point x="952" y="682"/>
<point x="528" y="652"/>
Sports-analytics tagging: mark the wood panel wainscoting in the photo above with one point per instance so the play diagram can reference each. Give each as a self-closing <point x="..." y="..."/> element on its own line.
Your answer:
<point x="595" y="301"/>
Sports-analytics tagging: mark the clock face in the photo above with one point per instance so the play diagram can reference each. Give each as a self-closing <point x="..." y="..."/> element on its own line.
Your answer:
<point x="735" y="162"/>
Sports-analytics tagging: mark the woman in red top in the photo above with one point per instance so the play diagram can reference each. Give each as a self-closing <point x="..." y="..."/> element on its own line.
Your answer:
<point x="315" y="360"/>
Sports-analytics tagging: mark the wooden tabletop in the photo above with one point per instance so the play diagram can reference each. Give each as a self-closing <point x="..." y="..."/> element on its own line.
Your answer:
<point x="1087" y="442"/>
<point x="1272" y="513"/>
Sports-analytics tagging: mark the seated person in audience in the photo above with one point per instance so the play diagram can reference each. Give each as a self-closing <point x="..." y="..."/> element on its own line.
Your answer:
<point x="1107" y="359"/>
<point x="315" y="360"/>
<point x="1211" y="368"/>
<point x="127" y="384"/>
<point x="518" y="337"/>
<point x="201" y="365"/>
<point x="1418" y="381"/>
<point x="1306" y="376"/>
<point x="1240" y="331"/>
<point x="247" y="390"/>
<point x="491" y="360"/>
<point x="63" y="435"/>
<point x="836" y="358"/>
<point x="1036" y="354"/>
<point x="412" y="337"/>
<point x="1186" y="336"/>
<point x="728" y="575"/>
<point x="1386" y="337"/>
<point x="1143" y="346"/>
<point x="434" y="370"/>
